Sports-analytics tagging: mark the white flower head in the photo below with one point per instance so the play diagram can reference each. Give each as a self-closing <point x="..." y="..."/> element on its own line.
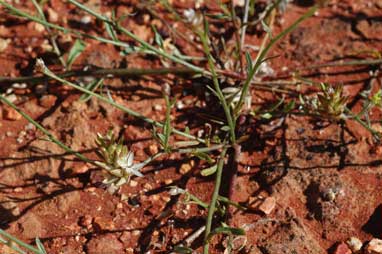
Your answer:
<point x="127" y="164"/>
<point x="118" y="161"/>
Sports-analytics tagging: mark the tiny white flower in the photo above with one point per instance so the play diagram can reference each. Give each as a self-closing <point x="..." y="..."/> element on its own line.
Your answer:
<point x="189" y="14"/>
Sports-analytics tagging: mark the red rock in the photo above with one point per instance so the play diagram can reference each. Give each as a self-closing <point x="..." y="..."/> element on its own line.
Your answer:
<point x="103" y="224"/>
<point x="11" y="114"/>
<point x="103" y="244"/>
<point x="268" y="205"/>
<point x="47" y="101"/>
<point x="342" y="248"/>
<point x="374" y="246"/>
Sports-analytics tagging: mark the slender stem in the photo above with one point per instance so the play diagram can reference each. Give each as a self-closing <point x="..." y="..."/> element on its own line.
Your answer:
<point x="40" y="64"/>
<point x="245" y="20"/>
<point x="218" y="90"/>
<point x="260" y="57"/>
<point x="136" y="38"/>
<point x="21" y="243"/>
<point x="52" y="37"/>
<point x="130" y="72"/>
<point x="237" y="35"/>
<point x="215" y="195"/>
<point x="102" y="39"/>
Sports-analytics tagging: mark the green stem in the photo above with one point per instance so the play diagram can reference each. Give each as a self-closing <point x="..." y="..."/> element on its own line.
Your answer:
<point x="130" y="72"/>
<point x="218" y="90"/>
<point x="136" y="38"/>
<point x="260" y="57"/>
<point x="19" y="242"/>
<point x="52" y="37"/>
<point x="215" y="195"/>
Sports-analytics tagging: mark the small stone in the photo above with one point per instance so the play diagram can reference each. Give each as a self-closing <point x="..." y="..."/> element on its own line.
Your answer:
<point x="47" y="101"/>
<point x="18" y="189"/>
<point x="354" y="244"/>
<point x="135" y="98"/>
<point x="186" y="167"/>
<point x="125" y="237"/>
<point x="106" y="243"/>
<point x="147" y="186"/>
<point x="153" y="149"/>
<point x="133" y="183"/>
<point x="80" y="168"/>
<point x="136" y="232"/>
<point x="11" y="207"/>
<point x="11" y="114"/>
<point x="168" y="181"/>
<point x="86" y="19"/>
<point x="86" y="221"/>
<point x="268" y="205"/>
<point x="40" y="89"/>
<point x="39" y="27"/>
<point x="342" y="248"/>
<point x="158" y="107"/>
<point x="374" y="246"/>
<point x="4" y="44"/>
<point x="103" y="224"/>
<point x="52" y="15"/>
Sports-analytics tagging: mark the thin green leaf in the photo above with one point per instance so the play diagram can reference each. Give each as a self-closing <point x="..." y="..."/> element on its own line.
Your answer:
<point x="225" y="128"/>
<point x="226" y="231"/>
<point x="75" y="51"/>
<point x="92" y="86"/>
<point x="209" y="171"/>
<point x="182" y="249"/>
<point x="110" y="31"/>
<point x="249" y="61"/>
<point x="40" y="246"/>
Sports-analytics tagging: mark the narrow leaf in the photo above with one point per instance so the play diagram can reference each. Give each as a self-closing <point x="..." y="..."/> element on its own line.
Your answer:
<point x="75" y="51"/>
<point x="209" y="171"/>
<point x="226" y="231"/>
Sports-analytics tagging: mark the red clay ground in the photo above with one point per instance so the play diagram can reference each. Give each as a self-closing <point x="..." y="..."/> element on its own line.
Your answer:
<point x="326" y="179"/>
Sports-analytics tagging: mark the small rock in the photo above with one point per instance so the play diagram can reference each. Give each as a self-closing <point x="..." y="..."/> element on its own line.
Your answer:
<point x="374" y="246"/>
<point x="80" y="168"/>
<point x="168" y="181"/>
<point x="268" y="205"/>
<point x="133" y="183"/>
<point x="11" y="114"/>
<point x="103" y="224"/>
<point x="52" y="15"/>
<point x="40" y="89"/>
<point x="342" y="248"/>
<point x="47" y="101"/>
<point x="86" y="20"/>
<point x="86" y="221"/>
<point x="104" y="244"/>
<point x="354" y="244"/>
<point x="39" y="27"/>
<point x="4" y="44"/>
<point x="147" y="186"/>
<point x="158" y="107"/>
<point x="153" y="149"/>
<point x="11" y="207"/>
<point x="186" y="167"/>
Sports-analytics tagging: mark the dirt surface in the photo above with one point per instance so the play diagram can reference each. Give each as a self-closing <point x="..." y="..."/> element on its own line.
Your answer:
<point x="325" y="179"/>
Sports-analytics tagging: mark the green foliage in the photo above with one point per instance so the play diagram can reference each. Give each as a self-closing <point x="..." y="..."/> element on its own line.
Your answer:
<point x="330" y="103"/>
<point x="76" y="50"/>
<point x="118" y="161"/>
